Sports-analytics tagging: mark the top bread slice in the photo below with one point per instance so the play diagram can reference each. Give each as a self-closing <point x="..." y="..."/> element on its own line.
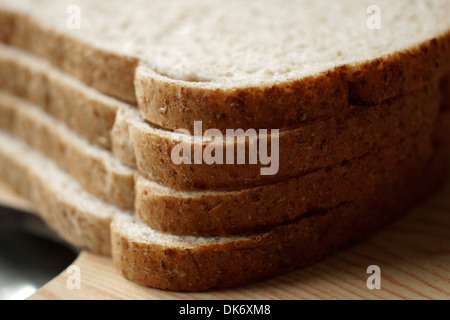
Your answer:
<point x="230" y="65"/>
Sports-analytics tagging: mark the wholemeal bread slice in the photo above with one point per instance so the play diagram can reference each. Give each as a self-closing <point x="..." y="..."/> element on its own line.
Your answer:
<point x="320" y="144"/>
<point x="262" y="65"/>
<point x="75" y="214"/>
<point x="189" y="263"/>
<point x="96" y="169"/>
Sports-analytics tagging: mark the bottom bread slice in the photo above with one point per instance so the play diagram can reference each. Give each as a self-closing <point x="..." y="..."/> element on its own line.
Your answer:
<point x="187" y="263"/>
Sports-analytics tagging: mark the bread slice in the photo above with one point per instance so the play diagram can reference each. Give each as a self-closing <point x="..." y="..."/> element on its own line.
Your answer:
<point x="75" y="214"/>
<point x="97" y="170"/>
<point x="193" y="264"/>
<point x="262" y="65"/>
<point x="172" y="262"/>
<point x="326" y="143"/>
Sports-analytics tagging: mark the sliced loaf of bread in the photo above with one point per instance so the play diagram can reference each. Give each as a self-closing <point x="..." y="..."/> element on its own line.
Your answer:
<point x="262" y="65"/>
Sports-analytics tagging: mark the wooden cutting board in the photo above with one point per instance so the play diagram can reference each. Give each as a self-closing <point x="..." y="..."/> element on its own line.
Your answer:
<point x="413" y="255"/>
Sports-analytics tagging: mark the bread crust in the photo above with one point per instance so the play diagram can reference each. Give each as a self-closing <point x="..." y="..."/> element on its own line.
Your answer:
<point x="210" y="213"/>
<point x="99" y="118"/>
<point x="168" y="214"/>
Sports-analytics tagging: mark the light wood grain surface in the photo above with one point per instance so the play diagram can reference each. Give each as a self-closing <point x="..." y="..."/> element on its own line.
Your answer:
<point x="413" y="254"/>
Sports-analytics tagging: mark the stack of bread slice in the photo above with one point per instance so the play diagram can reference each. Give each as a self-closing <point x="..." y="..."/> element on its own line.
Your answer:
<point x="93" y="94"/>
